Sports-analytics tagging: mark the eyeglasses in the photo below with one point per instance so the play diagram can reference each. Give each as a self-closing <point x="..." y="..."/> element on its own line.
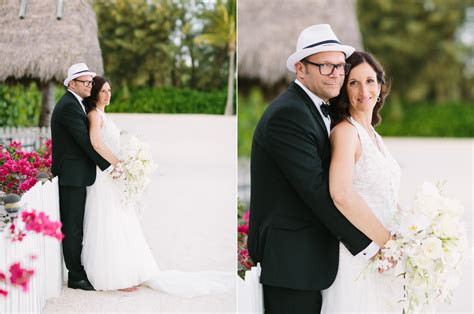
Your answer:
<point x="328" y="68"/>
<point x="86" y="83"/>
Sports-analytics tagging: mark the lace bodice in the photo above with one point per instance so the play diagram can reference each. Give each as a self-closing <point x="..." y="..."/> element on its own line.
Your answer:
<point x="110" y="133"/>
<point x="377" y="176"/>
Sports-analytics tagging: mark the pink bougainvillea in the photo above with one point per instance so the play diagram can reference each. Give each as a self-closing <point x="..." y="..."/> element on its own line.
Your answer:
<point x="18" y="168"/>
<point x="20" y="276"/>
<point x="244" y="260"/>
<point x="17" y="277"/>
<point x="36" y="222"/>
<point x="16" y="234"/>
<point x="32" y="221"/>
<point x="40" y="223"/>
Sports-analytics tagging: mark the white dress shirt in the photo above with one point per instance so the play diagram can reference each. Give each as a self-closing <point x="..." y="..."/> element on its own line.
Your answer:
<point x="79" y="99"/>
<point x="373" y="247"/>
<point x="317" y="102"/>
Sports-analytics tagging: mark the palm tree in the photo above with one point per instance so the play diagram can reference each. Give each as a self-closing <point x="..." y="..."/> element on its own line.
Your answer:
<point x="219" y="31"/>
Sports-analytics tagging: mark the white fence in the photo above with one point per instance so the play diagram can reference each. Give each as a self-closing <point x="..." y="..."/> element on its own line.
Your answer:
<point x="31" y="138"/>
<point x="47" y="280"/>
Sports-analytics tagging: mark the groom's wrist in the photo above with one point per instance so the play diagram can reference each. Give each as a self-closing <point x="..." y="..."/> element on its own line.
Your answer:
<point x="370" y="251"/>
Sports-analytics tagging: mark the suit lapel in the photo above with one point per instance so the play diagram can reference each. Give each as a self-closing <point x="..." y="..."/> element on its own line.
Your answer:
<point x="311" y="105"/>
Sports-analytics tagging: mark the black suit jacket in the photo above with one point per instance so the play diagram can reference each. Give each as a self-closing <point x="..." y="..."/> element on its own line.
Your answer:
<point x="74" y="158"/>
<point x="295" y="228"/>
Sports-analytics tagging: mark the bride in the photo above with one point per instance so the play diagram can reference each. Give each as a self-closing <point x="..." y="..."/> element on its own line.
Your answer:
<point x="115" y="253"/>
<point x="362" y="174"/>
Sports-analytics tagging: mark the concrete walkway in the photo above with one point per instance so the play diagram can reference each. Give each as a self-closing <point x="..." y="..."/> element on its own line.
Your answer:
<point x="189" y="213"/>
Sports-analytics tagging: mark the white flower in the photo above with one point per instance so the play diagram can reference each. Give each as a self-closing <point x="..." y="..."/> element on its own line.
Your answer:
<point x="428" y="189"/>
<point x="452" y="206"/>
<point x="427" y="205"/>
<point x="431" y="244"/>
<point x="446" y="226"/>
<point x="137" y="167"/>
<point x="423" y="262"/>
<point x="432" y="247"/>
<point x="413" y="223"/>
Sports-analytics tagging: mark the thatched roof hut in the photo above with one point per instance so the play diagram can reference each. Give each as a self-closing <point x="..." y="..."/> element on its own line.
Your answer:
<point x="268" y="30"/>
<point x="52" y="35"/>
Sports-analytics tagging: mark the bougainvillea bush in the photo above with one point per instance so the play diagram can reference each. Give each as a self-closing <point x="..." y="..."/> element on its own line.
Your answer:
<point x="244" y="260"/>
<point x="18" y="168"/>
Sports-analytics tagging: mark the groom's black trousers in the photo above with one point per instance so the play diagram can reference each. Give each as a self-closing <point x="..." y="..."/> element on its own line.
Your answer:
<point x="279" y="300"/>
<point x="72" y="201"/>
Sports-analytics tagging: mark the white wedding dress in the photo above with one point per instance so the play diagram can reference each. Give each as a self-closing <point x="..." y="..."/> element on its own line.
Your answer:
<point x="357" y="289"/>
<point x="115" y="253"/>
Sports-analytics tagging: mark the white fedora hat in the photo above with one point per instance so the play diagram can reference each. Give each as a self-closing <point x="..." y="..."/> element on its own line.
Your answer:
<point x="314" y="39"/>
<point x="76" y="70"/>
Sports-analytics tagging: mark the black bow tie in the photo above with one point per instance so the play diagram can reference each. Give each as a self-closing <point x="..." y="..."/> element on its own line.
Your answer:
<point x="325" y="109"/>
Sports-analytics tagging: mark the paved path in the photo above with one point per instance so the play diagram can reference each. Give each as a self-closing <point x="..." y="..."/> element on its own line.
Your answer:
<point x="189" y="218"/>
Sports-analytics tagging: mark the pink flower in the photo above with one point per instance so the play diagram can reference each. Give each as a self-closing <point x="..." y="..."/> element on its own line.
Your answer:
<point x="20" y="276"/>
<point x="40" y="223"/>
<point x="246" y="216"/>
<point x="2" y="277"/>
<point x="27" y="184"/>
<point x="15" y="144"/>
<point x="243" y="228"/>
<point x="16" y="235"/>
<point x="48" y="162"/>
<point x="244" y="253"/>
<point x="3" y="292"/>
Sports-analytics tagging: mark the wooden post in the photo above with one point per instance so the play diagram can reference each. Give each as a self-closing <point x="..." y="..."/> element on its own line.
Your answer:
<point x="23" y="5"/>
<point x="60" y="9"/>
<point x="229" y="107"/>
<point x="47" y="102"/>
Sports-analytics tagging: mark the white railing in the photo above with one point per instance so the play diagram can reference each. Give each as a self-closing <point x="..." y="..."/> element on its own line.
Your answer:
<point x="31" y="138"/>
<point x="47" y="280"/>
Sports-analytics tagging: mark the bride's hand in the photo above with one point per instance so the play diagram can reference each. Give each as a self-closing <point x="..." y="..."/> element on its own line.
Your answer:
<point x="117" y="172"/>
<point x="388" y="262"/>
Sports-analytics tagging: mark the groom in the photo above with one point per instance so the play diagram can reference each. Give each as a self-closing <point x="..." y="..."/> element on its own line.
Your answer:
<point x="295" y="229"/>
<point x="74" y="162"/>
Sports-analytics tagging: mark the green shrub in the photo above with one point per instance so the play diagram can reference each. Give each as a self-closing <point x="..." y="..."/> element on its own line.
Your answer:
<point x="168" y="100"/>
<point x="423" y="120"/>
<point x="250" y="109"/>
<point x="19" y="105"/>
<point x="427" y="120"/>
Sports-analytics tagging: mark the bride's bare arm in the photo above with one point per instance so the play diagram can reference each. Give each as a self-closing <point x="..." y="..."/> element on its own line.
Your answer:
<point x="95" y="135"/>
<point x="345" y="147"/>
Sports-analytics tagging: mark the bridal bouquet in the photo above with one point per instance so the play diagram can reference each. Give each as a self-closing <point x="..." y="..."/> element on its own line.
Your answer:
<point x="136" y="168"/>
<point x="430" y="244"/>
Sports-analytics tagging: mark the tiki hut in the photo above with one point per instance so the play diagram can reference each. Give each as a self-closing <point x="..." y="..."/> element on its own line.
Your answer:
<point x="268" y="30"/>
<point x="40" y="39"/>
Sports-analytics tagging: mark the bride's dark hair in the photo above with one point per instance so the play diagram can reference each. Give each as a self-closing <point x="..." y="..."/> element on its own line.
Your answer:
<point x="339" y="109"/>
<point x="91" y="101"/>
